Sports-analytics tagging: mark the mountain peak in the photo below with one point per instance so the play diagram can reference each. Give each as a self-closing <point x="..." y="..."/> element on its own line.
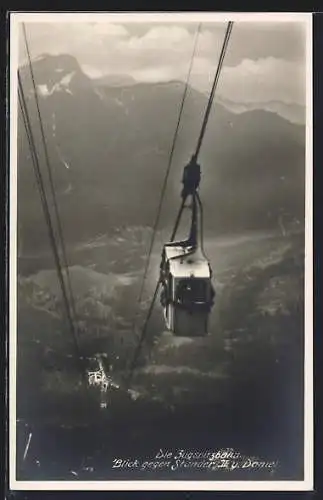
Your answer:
<point x="52" y="62"/>
<point x="54" y="72"/>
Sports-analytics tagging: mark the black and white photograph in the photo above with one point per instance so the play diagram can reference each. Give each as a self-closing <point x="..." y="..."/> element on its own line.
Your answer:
<point x="160" y="284"/>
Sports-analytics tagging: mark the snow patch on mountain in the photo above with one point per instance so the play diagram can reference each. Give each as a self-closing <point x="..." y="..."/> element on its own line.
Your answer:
<point x="68" y="189"/>
<point x="43" y="90"/>
<point x="66" y="165"/>
<point x="60" y="86"/>
<point x="118" y="102"/>
<point x="99" y="94"/>
<point x="122" y="105"/>
<point x="66" y="80"/>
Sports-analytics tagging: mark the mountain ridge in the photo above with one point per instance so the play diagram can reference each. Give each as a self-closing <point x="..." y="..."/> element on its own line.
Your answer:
<point x="292" y="112"/>
<point x="109" y="147"/>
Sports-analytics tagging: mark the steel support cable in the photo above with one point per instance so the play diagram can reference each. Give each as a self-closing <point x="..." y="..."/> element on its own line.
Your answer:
<point x="51" y="180"/>
<point x="214" y="86"/>
<point x="142" y="336"/>
<point x="178" y="218"/>
<point x="206" y="116"/>
<point x="40" y="183"/>
<point x="163" y="190"/>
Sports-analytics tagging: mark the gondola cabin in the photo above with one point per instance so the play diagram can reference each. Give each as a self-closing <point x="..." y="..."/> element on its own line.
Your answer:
<point x="187" y="291"/>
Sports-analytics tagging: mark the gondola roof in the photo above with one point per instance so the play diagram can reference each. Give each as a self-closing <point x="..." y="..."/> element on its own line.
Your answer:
<point x="191" y="265"/>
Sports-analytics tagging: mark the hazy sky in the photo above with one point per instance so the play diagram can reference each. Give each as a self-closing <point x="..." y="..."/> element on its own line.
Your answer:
<point x="264" y="61"/>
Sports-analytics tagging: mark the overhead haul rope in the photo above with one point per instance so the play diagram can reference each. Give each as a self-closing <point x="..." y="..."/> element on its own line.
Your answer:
<point x="161" y="204"/>
<point x="42" y="192"/>
<point x="51" y="180"/>
<point x="214" y="86"/>
<point x="205" y="120"/>
<point x="203" y="128"/>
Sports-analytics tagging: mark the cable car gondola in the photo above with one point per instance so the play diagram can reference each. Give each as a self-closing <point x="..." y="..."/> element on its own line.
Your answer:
<point x="187" y="293"/>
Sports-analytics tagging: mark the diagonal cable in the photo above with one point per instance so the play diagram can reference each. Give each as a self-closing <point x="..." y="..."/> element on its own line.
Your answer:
<point x="51" y="180"/>
<point x="40" y="183"/>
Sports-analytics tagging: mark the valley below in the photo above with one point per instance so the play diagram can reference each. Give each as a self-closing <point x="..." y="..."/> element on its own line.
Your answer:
<point x="240" y="387"/>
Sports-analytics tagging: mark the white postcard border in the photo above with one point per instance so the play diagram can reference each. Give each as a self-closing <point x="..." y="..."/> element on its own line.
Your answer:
<point x="121" y="17"/>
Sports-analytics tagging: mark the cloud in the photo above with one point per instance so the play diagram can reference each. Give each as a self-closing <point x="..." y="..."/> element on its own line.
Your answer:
<point x="267" y="79"/>
<point x="170" y="34"/>
<point x="264" y="61"/>
<point x="106" y="29"/>
<point x="91" y="71"/>
<point x="84" y="40"/>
